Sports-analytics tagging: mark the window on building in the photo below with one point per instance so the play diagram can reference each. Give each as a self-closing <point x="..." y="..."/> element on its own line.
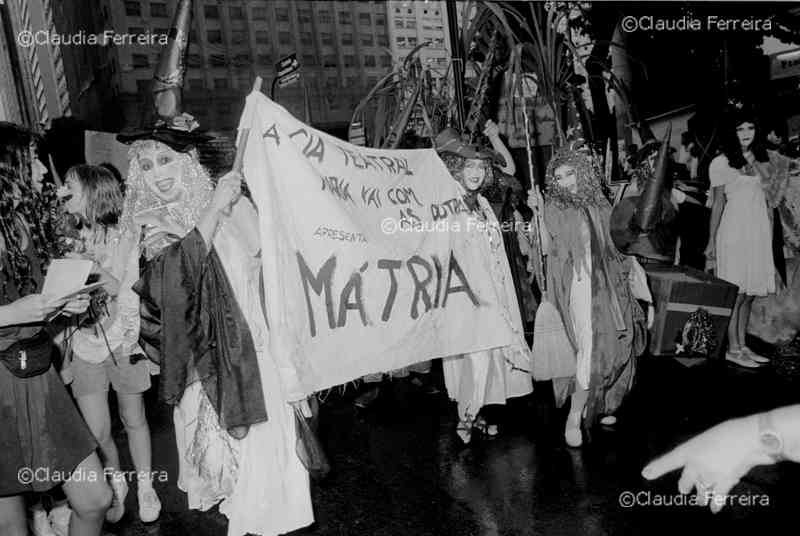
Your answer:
<point x="284" y="38"/>
<point x="214" y="36"/>
<point x="401" y="41"/>
<point x="347" y="39"/>
<point x="221" y="83"/>
<point x="262" y="37"/>
<point x="397" y="10"/>
<point x="350" y="81"/>
<point x="259" y="13"/>
<point x="380" y="20"/>
<point x="140" y="60"/>
<point x="304" y="15"/>
<point x="143" y="86"/>
<point x="365" y="19"/>
<point x="410" y="11"/>
<point x="238" y="37"/>
<point x="398" y="23"/>
<point x="372" y="81"/>
<point x="369" y="61"/>
<point x="327" y="38"/>
<point x="158" y="9"/>
<point x="345" y="17"/>
<point x="242" y="60"/>
<point x="196" y="84"/>
<point x="436" y="13"/>
<point x="367" y="40"/>
<point x="306" y="39"/>
<point x="264" y="59"/>
<point x="236" y="12"/>
<point x="349" y="61"/>
<point x="218" y="60"/>
<point x="383" y="40"/>
<point x="386" y="61"/>
<point x="412" y="41"/>
<point x="325" y="17"/>
<point x="282" y="14"/>
<point x="211" y="12"/>
<point x="329" y="60"/>
<point x="133" y="9"/>
<point x="194" y="60"/>
<point x="309" y="59"/>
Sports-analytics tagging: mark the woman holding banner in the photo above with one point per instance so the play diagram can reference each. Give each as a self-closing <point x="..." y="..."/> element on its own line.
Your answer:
<point x="492" y="376"/>
<point x="202" y="318"/>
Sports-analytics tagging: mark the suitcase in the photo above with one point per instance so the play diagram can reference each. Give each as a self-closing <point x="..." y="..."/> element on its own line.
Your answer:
<point x="678" y="291"/>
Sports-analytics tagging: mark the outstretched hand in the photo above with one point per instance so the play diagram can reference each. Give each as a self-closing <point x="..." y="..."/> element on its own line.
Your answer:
<point x="714" y="461"/>
<point x="228" y="191"/>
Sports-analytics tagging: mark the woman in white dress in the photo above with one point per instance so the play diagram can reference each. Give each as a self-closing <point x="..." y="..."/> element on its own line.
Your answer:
<point x="740" y="247"/>
<point x="491" y="376"/>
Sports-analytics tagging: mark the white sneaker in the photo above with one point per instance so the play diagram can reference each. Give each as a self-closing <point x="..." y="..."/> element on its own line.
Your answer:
<point x="149" y="504"/>
<point x="59" y="519"/>
<point x="120" y="489"/>
<point x="40" y="523"/>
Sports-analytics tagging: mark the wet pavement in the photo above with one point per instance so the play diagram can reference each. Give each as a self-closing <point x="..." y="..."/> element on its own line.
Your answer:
<point x="399" y="468"/>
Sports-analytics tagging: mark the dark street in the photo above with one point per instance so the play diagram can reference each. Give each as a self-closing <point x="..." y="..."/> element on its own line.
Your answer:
<point x="399" y="468"/>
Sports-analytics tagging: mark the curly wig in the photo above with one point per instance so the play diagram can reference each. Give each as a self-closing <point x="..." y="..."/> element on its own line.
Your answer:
<point x="18" y="196"/>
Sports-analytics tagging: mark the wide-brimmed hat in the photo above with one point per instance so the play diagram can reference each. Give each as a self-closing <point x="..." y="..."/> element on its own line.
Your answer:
<point x="450" y="141"/>
<point x="172" y="126"/>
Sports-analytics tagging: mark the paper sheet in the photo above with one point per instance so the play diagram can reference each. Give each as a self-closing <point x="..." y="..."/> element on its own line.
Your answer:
<point x="66" y="276"/>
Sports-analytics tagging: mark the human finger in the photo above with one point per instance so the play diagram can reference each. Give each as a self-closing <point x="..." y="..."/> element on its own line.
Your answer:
<point x="675" y="459"/>
<point x="721" y="491"/>
<point x="687" y="480"/>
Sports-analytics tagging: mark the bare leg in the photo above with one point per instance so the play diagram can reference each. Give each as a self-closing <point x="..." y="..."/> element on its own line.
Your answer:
<point x="131" y="411"/>
<point x="89" y="496"/>
<point x="94" y="408"/>
<point x="734" y="344"/>
<point x="572" y="431"/>
<point x="744" y="318"/>
<point x="12" y="516"/>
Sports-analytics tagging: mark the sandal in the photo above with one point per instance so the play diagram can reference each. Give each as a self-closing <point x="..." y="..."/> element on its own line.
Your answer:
<point x="760" y="359"/>
<point x="489" y="430"/>
<point x="739" y="358"/>
<point x="464" y="431"/>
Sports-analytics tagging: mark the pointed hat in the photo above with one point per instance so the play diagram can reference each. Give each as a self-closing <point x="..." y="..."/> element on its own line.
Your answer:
<point x="172" y="127"/>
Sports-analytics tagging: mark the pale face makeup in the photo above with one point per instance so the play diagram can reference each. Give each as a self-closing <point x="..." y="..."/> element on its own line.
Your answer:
<point x="567" y="178"/>
<point x="161" y="171"/>
<point x="38" y="170"/>
<point x="73" y="195"/>
<point x="474" y="174"/>
<point x="746" y="132"/>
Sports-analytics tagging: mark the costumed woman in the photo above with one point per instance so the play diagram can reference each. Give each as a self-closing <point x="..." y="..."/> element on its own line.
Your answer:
<point x="492" y="376"/>
<point x="748" y="183"/>
<point x="202" y="318"/>
<point x="43" y="432"/>
<point x="594" y="289"/>
<point x="105" y="349"/>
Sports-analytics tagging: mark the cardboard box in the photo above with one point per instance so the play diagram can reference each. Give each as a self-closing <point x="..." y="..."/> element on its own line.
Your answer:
<point x="678" y="291"/>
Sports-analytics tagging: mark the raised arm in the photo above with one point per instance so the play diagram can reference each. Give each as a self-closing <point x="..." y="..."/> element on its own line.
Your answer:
<point x="493" y="133"/>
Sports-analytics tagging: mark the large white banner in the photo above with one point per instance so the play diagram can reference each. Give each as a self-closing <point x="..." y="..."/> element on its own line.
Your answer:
<point x="371" y="259"/>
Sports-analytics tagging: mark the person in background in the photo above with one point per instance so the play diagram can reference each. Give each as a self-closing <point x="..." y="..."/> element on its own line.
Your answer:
<point x="740" y="244"/>
<point x="715" y="460"/>
<point x="105" y="348"/>
<point x="42" y="428"/>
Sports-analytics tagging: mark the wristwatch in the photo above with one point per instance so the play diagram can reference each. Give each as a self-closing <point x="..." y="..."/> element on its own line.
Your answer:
<point x="768" y="437"/>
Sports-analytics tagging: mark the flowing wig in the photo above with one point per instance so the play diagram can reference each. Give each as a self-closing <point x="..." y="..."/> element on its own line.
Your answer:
<point x="18" y="196"/>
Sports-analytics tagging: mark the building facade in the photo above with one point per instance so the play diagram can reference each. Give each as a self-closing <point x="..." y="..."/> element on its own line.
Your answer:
<point x="339" y="45"/>
<point x="33" y="80"/>
<point x="414" y="22"/>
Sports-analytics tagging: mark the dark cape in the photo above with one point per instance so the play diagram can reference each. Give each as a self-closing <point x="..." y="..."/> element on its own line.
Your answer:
<point x="192" y="326"/>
